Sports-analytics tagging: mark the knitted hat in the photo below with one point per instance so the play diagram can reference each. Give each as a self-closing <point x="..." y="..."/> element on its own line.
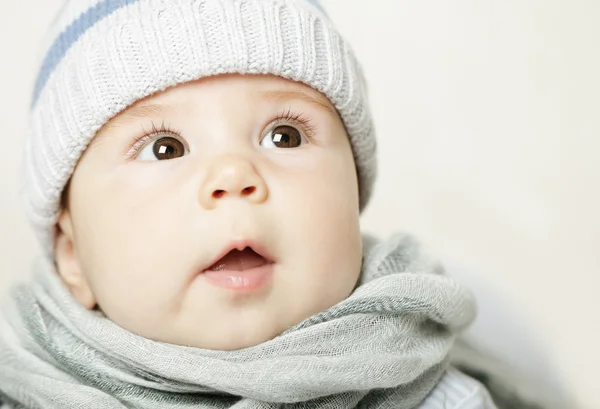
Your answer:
<point x="102" y="56"/>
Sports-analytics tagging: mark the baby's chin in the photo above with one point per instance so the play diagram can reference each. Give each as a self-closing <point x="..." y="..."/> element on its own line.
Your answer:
<point x="238" y="341"/>
<point x="222" y="334"/>
<point x="229" y="332"/>
<point x="232" y="340"/>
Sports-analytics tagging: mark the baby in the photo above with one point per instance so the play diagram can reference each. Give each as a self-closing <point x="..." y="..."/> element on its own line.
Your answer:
<point x="196" y="170"/>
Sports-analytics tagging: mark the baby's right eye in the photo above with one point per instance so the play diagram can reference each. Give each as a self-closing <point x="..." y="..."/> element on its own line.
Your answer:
<point x="163" y="148"/>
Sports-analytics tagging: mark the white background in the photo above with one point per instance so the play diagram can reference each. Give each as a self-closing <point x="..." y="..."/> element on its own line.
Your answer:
<point x="488" y="122"/>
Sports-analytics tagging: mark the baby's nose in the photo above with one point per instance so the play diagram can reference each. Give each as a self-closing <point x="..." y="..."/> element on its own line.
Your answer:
<point x="232" y="177"/>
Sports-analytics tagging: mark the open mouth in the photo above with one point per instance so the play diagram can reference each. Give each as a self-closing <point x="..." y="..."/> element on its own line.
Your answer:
<point x="237" y="260"/>
<point x="241" y="270"/>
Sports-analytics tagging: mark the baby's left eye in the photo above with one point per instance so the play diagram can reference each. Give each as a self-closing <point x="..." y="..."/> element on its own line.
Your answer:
<point x="282" y="137"/>
<point x="162" y="149"/>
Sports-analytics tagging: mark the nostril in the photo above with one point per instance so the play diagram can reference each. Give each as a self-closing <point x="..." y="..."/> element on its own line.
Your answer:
<point x="248" y="191"/>
<point x="219" y="193"/>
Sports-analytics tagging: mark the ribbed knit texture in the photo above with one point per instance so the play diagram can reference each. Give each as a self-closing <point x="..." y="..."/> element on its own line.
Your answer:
<point x="106" y="55"/>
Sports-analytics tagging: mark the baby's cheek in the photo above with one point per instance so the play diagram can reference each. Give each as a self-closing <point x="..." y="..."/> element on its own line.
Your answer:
<point x="142" y="176"/>
<point x="132" y="283"/>
<point x="123" y="253"/>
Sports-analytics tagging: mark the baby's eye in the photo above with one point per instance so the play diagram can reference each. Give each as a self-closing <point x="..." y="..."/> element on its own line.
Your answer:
<point x="282" y="137"/>
<point x="162" y="149"/>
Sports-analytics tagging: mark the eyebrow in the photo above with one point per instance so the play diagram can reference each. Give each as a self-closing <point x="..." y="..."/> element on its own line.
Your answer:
<point x="318" y="100"/>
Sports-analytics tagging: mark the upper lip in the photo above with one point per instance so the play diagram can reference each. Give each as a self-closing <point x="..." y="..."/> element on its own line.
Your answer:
<point x="241" y="245"/>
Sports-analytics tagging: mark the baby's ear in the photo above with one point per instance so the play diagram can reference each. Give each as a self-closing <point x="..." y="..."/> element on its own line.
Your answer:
<point x="68" y="265"/>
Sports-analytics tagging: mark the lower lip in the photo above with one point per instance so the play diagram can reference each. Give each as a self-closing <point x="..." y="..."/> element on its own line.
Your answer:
<point x="247" y="280"/>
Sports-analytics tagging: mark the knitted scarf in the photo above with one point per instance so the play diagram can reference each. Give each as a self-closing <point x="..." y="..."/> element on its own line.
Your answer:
<point x="385" y="346"/>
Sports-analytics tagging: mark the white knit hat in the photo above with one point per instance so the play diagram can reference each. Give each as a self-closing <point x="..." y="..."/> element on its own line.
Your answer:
<point x="102" y="56"/>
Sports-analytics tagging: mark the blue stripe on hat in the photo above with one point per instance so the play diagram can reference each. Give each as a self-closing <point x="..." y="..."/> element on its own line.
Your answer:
<point x="73" y="32"/>
<point x="69" y="36"/>
<point x="317" y="5"/>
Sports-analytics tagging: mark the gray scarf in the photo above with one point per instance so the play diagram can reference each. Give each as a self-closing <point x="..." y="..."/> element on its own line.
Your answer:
<point x="385" y="346"/>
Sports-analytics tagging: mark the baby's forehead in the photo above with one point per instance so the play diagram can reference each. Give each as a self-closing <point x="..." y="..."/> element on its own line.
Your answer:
<point x="257" y="93"/>
<point x="251" y="88"/>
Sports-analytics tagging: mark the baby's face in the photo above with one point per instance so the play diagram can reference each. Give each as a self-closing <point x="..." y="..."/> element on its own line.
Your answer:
<point x="253" y="162"/>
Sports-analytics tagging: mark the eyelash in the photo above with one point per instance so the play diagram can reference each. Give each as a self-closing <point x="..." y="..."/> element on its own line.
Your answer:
<point x="140" y="141"/>
<point x="284" y="117"/>
<point x="294" y="118"/>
